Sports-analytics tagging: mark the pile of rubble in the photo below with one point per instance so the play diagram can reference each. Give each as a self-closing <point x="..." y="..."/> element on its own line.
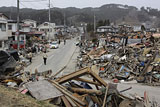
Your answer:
<point x="140" y="61"/>
<point x="83" y="88"/>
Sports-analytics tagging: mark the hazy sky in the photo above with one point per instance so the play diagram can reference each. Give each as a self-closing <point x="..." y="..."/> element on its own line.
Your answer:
<point x="41" y="4"/>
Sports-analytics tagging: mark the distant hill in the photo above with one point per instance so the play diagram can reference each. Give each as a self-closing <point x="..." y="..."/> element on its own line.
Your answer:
<point x="116" y="13"/>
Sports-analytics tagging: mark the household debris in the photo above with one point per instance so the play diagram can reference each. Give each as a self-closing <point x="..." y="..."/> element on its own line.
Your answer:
<point x="81" y="88"/>
<point x="135" y="61"/>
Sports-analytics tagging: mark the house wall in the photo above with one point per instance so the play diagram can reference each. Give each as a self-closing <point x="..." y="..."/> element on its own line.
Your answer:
<point x="31" y="23"/>
<point x="45" y="27"/>
<point x="14" y="27"/>
<point x="26" y="29"/>
<point x="4" y="33"/>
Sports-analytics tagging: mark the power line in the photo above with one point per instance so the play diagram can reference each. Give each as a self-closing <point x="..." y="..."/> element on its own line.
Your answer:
<point x="32" y="3"/>
<point x="33" y="0"/>
<point x="23" y="5"/>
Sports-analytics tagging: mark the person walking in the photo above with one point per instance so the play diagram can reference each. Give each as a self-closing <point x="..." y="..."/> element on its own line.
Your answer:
<point x="30" y="57"/>
<point x="59" y="41"/>
<point x="45" y="57"/>
<point x="64" y="41"/>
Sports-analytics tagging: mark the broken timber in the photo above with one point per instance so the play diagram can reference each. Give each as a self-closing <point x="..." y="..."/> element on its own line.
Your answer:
<point x="79" y="73"/>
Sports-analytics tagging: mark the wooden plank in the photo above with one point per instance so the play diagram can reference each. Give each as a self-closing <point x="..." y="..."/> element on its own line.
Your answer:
<point x="59" y="72"/>
<point x="88" y="81"/>
<point x="72" y="75"/>
<point x="96" y="85"/>
<point x="86" y="91"/>
<point x="82" y="98"/>
<point x="96" y="77"/>
<point x="66" y="92"/>
<point x="67" y="104"/>
<point x="71" y="101"/>
<point x="105" y="97"/>
<point x="96" y="100"/>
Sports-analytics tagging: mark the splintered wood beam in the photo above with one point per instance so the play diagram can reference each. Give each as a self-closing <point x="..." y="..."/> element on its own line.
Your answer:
<point x="86" y="91"/>
<point x="96" y="85"/>
<point x="105" y="97"/>
<point x="66" y="102"/>
<point x="96" y="100"/>
<point x="66" y="92"/>
<point x="71" y="101"/>
<point x="87" y="81"/>
<point x="97" y="78"/>
<point x="70" y="76"/>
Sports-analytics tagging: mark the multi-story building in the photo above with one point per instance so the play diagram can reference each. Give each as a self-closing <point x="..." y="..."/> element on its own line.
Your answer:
<point x="4" y="33"/>
<point x="49" y="29"/>
<point x="31" y="23"/>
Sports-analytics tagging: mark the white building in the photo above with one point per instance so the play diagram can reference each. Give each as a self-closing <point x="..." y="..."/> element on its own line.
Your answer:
<point x="23" y="28"/>
<point x="4" y="33"/>
<point x="32" y="23"/>
<point x="137" y="28"/>
<point x="50" y="34"/>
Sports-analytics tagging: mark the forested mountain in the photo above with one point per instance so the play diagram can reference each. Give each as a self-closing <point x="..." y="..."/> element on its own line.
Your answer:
<point x="116" y="13"/>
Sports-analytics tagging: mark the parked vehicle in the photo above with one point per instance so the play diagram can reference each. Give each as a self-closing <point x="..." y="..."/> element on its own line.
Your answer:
<point x="53" y="45"/>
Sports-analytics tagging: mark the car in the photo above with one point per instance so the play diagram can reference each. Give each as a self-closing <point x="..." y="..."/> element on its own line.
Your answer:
<point x="53" y="45"/>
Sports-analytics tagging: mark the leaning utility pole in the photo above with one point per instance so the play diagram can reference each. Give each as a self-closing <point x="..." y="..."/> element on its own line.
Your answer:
<point x="17" y="33"/>
<point x="49" y="19"/>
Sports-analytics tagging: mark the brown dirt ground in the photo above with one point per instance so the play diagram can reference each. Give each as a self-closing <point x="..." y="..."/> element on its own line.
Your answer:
<point x="11" y="98"/>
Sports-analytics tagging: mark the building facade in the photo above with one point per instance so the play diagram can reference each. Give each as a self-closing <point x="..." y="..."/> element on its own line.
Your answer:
<point x="49" y="29"/>
<point x="4" y="33"/>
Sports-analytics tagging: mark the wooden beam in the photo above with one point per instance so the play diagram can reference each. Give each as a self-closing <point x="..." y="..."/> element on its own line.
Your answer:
<point x="95" y="85"/>
<point x="88" y="81"/>
<point x="66" y="102"/>
<point x="59" y="72"/>
<point x="86" y="91"/>
<point x="105" y="97"/>
<point x="71" y="101"/>
<point x="96" y="77"/>
<point x="72" y="75"/>
<point x="67" y="93"/>
<point x="96" y="100"/>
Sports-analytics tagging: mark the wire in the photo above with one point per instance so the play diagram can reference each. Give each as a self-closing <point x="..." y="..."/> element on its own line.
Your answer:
<point x="23" y="5"/>
<point x="34" y="1"/>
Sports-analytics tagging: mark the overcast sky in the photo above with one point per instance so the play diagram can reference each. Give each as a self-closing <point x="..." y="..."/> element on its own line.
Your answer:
<point x="42" y="4"/>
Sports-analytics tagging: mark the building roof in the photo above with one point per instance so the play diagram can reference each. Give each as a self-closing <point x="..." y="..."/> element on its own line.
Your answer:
<point x="36" y="33"/>
<point x="26" y="25"/>
<point x="14" y="21"/>
<point x="4" y="15"/>
<point x="43" y="24"/>
<point x="105" y="27"/>
<point x="29" y="20"/>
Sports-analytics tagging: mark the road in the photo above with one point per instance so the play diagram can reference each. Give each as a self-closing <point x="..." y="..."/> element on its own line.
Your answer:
<point x="57" y="58"/>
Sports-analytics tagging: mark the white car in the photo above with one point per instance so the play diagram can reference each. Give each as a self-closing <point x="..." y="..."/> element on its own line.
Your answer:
<point x="53" y="45"/>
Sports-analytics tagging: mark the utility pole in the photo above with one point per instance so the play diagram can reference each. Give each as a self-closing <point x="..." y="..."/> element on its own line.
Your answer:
<point x="64" y="24"/>
<point x="17" y="33"/>
<point x="49" y="19"/>
<point x="64" y="19"/>
<point x="94" y="23"/>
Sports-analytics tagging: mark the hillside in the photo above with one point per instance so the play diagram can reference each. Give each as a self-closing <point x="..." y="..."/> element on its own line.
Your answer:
<point x="11" y="98"/>
<point x="116" y="13"/>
